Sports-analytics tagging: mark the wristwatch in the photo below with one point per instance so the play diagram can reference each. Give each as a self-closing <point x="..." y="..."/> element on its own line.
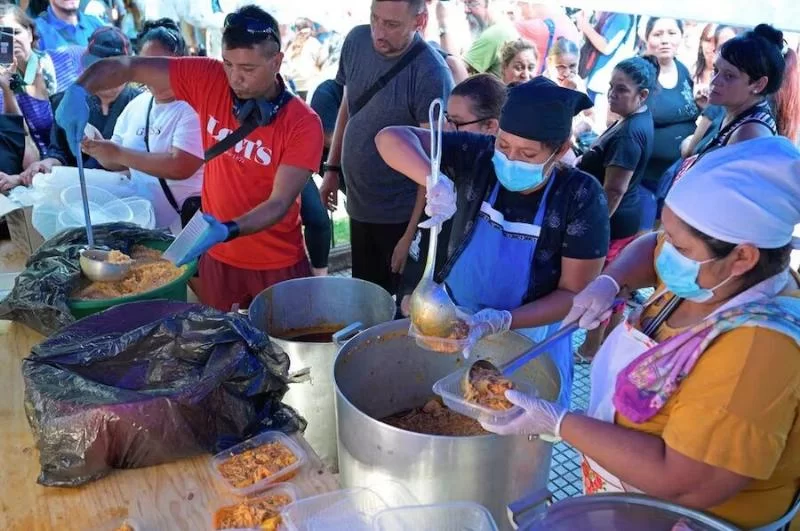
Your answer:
<point x="233" y="230"/>
<point x="331" y="167"/>
<point x="442" y="31"/>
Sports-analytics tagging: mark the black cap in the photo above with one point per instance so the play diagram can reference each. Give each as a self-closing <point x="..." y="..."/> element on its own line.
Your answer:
<point x="542" y="110"/>
<point x="107" y="41"/>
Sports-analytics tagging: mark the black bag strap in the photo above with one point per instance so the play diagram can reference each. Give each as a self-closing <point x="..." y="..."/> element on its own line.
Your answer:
<point x="660" y="318"/>
<point x="164" y="186"/>
<point x="551" y="27"/>
<point x="265" y="116"/>
<point x="229" y="141"/>
<point x="384" y="80"/>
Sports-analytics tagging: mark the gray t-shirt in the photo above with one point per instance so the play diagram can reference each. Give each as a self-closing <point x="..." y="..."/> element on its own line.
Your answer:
<point x="375" y="192"/>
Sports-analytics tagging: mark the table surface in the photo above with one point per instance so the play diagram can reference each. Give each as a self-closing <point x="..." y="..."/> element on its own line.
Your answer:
<point x="174" y="496"/>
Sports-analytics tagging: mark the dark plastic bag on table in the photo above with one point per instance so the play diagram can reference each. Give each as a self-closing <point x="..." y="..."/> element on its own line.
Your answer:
<point x="40" y="294"/>
<point x="147" y="383"/>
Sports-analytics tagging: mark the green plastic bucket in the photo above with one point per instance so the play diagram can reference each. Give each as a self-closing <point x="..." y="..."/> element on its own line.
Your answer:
<point x="174" y="291"/>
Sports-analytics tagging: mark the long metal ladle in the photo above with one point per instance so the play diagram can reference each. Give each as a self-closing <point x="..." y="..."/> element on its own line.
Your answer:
<point x="93" y="260"/>
<point x="508" y="368"/>
<point x="432" y="310"/>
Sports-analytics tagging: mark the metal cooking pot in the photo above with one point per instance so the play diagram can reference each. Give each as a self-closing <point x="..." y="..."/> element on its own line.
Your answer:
<point x="617" y="511"/>
<point x="381" y="372"/>
<point x="290" y="309"/>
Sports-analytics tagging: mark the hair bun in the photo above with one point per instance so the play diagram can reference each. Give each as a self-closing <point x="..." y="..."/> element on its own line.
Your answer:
<point x="166" y="23"/>
<point x="653" y="60"/>
<point x="770" y="33"/>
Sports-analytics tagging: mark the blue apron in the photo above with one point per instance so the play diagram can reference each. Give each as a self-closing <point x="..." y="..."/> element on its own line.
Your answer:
<point x="494" y="271"/>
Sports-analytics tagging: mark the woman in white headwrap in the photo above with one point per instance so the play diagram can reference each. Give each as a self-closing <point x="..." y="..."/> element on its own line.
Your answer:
<point x="694" y="399"/>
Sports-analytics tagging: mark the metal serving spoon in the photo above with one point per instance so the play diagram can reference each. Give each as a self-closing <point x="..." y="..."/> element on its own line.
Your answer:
<point x="432" y="310"/>
<point x="508" y="368"/>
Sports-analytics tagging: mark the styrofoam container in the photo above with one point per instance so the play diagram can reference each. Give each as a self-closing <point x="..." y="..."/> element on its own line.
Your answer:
<point x="457" y="516"/>
<point x="346" y="510"/>
<point x="449" y="388"/>
<point x="279" y="488"/>
<point x="259" y="440"/>
<point x="190" y="235"/>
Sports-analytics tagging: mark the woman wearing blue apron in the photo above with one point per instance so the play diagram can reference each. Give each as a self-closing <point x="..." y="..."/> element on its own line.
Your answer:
<point x="527" y="232"/>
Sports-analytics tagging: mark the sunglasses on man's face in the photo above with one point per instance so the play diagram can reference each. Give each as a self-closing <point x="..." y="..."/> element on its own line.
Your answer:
<point x="251" y="26"/>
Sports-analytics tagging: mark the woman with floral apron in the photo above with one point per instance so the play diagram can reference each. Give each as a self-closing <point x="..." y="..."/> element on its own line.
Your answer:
<point x="527" y="232"/>
<point x="695" y="397"/>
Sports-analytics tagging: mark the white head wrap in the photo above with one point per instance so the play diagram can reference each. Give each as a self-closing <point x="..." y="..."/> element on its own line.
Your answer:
<point x="743" y="193"/>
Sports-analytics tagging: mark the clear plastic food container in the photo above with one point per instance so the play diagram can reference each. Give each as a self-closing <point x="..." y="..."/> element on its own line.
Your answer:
<point x="279" y="489"/>
<point x="449" y="388"/>
<point x="187" y="238"/>
<point x="283" y="474"/>
<point x="456" y="516"/>
<point x="345" y="510"/>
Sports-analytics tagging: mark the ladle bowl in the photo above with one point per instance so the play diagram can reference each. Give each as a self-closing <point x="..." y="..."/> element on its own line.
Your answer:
<point x="432" y="311"/>
<point x="97" y="268"/>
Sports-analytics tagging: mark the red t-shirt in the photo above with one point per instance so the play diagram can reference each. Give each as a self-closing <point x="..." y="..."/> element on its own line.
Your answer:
<point x="240" y="179"/>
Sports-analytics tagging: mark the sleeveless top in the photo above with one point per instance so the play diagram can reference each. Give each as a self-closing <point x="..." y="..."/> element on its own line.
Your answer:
<point x="760" y="113"/>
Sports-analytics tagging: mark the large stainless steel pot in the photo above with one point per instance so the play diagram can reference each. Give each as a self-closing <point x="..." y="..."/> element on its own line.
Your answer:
<point x="382" y="372"/>
<point x="286" y="309"/>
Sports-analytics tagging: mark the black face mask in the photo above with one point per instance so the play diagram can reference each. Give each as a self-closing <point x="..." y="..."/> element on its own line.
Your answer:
<point x="261" y="111"/>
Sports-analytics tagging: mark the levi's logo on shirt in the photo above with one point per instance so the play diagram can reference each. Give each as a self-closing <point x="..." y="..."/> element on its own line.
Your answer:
<point x="253" y="151"/>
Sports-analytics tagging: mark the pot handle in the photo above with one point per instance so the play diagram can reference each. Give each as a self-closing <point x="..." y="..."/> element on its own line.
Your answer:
<point x="517" y="510"/>
<point x="235" y="309"/>
<point x="347" y="333"/>
<point x="301" y="376"/>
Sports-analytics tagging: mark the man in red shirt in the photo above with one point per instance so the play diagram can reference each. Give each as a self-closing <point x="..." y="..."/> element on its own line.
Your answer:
<point x="251" y="191"/>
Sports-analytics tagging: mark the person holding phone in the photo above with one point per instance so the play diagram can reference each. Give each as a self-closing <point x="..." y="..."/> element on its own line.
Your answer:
<point x="29" y="80"/>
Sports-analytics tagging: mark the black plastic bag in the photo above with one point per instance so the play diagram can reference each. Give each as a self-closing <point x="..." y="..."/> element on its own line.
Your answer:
<point x="147" y="383"/>
<point x="40" y="294"/>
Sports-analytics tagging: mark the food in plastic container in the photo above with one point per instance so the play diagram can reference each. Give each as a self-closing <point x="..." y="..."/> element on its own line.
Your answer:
<point x="251" y="466"/>
<point x="259" y="513"/>
<point x="450" y="388"/>
<point x="487" y="387"/>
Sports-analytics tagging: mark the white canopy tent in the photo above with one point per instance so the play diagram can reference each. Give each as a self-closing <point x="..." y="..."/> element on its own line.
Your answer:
<point x="783" y="14"/>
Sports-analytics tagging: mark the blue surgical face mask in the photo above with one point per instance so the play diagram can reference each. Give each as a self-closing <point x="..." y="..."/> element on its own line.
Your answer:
<point x="516" y="175"/>
<point x="679" y="274"/>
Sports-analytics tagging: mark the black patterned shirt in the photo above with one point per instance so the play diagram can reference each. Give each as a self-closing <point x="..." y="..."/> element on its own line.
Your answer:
<point x="576" y="221"/>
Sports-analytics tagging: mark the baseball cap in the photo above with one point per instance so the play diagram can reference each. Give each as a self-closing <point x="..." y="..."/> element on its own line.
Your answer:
<point x="107" y="41"/>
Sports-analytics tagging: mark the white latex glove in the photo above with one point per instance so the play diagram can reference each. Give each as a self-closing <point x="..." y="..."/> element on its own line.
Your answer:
<point x="441" y="202"/>
<point x="593" y="305"/>
<point x="486" y="322"/>
<point x="92" y="133"/>
<point x="541" y="418"/>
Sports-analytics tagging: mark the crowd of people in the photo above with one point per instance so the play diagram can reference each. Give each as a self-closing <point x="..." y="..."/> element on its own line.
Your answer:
<point x="570" y="136"/>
